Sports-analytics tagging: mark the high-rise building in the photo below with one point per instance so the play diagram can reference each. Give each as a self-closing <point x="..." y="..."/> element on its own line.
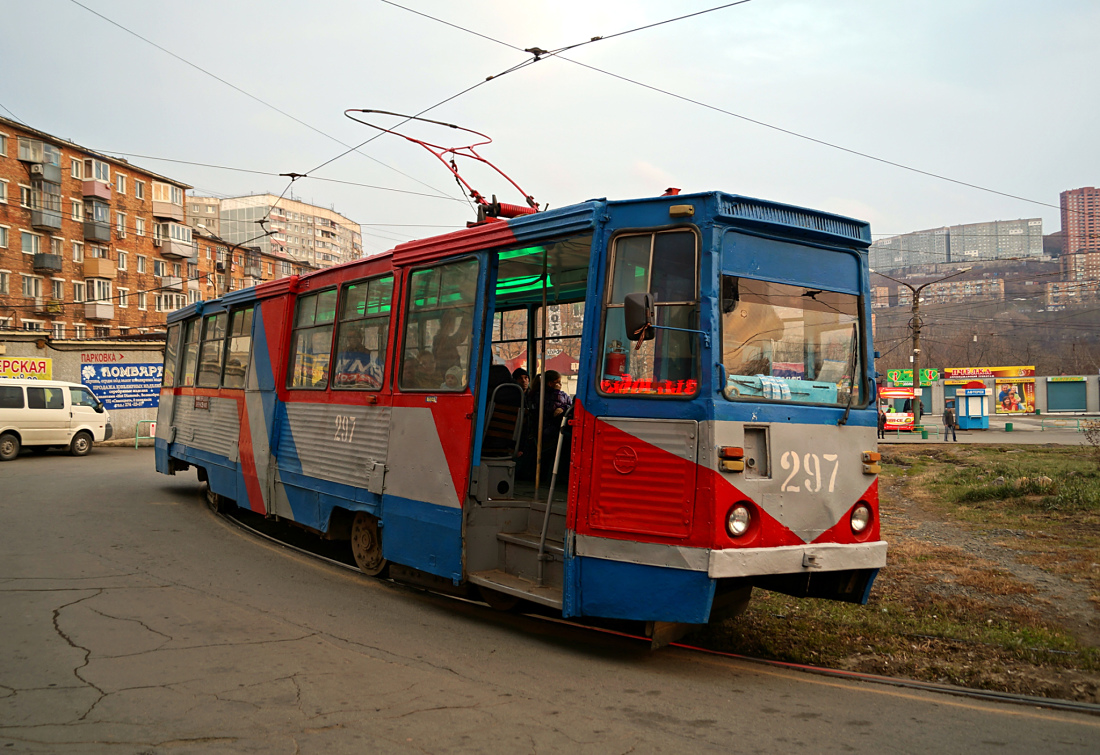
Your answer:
<point x="301" y="232"/>
<point x="1080" y="233"/>
<point x="970" y="242"/>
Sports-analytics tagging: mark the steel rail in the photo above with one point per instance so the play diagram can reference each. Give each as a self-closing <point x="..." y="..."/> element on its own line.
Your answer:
<point x="1071" y="706"/>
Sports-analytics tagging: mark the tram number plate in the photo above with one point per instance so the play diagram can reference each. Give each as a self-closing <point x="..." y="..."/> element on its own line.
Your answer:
<point x="345" y="428"/>
<point x="810" y="465"/>
<point x="202" y="402"/>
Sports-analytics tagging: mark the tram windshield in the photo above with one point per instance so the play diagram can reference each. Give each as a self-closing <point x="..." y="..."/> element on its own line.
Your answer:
<point x="792" y="344"/>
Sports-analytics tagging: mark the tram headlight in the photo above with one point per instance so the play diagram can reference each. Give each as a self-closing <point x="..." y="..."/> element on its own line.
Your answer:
<point x="738" y="520"/>
<point x="861" y="518"/>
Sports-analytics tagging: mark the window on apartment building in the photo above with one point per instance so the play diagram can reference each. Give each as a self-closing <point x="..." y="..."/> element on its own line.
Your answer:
<point x="160" y="267"/>
<point x="3" y="237"/>
<point x="99" y="289"/>
<point x="78" y="251"/>
<point x="141" y="299"/>
<point x="32" y="243"/>
<point x="26" y="197"/>
<point x="57" y="289"/>
<point x="4" y="284"/>
<point x="122" y="260"/>
<point x="139" y="226"/>
<point x="97" y="170"/>
<point x="80" y="331"/>
<point x="120" y="224"/>
<point x="78" y="291"/>
<point x="58" y="330"/>
<point x="78" y="209"/>
<point x="3" y="145"/>
<point x="76" y="168"/>
<point x="32" y="287"/>
<point x="124" y="297"/>
<point x="141" y="263"/>
<point x="97" y="251"/>
<point x="120" y="183"/>
<point x="163" y="192"/>
<point x="102" y="331"/>
<point x="139" y="189"/>
<point x="177" y="270"/>
<point x="3" y="191"/>
<point x="55" y="245"/>
<point x="35" y="325"/>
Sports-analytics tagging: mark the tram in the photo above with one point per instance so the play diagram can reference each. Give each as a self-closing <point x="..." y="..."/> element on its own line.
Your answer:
<point x="720" y="437"/>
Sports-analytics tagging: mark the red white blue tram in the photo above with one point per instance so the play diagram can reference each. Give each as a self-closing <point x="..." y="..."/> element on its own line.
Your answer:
<point x="721" y="436"/>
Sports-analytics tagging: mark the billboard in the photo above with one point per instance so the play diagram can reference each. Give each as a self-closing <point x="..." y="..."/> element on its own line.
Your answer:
<point x="989" y="372"/>
<point x="124" y="386"/>
<point x="928" y="375"/>
<point x="1015" y="395"/>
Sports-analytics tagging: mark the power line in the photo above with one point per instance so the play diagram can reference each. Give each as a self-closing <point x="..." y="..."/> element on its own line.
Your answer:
<point x="242" y="91"/>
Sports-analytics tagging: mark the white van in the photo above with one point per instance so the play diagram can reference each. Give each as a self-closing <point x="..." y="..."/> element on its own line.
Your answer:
<point x="43" y="414"/>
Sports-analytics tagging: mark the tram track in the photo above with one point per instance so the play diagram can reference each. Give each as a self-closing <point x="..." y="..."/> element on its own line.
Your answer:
<point x="912" y="684"/>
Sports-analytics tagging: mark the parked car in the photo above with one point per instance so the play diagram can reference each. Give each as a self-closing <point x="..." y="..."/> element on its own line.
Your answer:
<point x="43" y="414"/>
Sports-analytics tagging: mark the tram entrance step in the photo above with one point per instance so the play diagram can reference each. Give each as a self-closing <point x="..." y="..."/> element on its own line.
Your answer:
<point x="518" y="555"/>
<point x="510" y="584"/>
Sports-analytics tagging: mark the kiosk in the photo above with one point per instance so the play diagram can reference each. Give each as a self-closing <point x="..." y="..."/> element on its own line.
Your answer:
<point x="896" y="420"/>
<point x="972" y="406"/>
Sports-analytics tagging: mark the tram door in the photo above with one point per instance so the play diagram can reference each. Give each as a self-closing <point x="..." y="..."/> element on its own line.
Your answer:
<point x="431" y="433"/>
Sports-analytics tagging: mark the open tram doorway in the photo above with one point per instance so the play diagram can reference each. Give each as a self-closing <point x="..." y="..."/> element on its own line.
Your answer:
<point x="535" y="319"/>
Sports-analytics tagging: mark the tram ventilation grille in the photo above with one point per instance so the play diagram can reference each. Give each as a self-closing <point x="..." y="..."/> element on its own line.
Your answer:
<point x="768" y="213"/>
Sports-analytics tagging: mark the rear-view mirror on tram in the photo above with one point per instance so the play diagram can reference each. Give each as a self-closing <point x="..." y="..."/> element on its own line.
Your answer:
<point x="638" y="315"/>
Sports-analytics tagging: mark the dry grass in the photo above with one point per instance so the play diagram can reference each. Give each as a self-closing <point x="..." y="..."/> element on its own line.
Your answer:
<point x="989" y="593"/>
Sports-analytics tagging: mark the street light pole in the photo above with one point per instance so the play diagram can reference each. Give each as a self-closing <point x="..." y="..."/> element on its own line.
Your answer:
<point x="915" y="324"/>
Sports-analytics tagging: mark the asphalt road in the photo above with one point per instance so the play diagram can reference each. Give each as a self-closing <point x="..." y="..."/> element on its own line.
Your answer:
<point x="132" y="620"/>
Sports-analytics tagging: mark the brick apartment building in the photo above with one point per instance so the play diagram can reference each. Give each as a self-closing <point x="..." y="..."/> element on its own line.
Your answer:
<point x="90" y="245"/>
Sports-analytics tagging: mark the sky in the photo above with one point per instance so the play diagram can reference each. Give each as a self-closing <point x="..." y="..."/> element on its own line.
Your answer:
<point x="1000" y="94"/>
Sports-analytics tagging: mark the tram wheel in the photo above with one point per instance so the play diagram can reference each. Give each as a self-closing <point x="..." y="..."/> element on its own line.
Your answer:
<point x="366" y="544"/>
<point x="498" y="601"/>
<point x="216" y="502"/>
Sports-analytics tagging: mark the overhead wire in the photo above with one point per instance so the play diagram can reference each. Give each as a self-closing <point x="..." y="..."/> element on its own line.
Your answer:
<point x="244" y="92"/>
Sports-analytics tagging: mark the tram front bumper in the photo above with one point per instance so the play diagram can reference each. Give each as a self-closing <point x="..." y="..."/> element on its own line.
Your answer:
<point x="795" y="559"/>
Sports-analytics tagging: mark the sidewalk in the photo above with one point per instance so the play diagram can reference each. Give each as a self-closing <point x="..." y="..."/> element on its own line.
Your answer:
<point x="1026" y="429"/>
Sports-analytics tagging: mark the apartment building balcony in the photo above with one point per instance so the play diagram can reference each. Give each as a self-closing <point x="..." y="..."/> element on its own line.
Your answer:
<point x="99" y="267"/>
<point x="194" y="284"/>
<point x="94" y="231"/>
<point x="168" y="210"/>
<point x="46" y="172"/>
<point x="47" y="263"/>
<point x="97" y="189"/>
<point x="46" y="220"/>
<point x="98" y="310"/>
<point x="183" y="250"/>
<point x="171" y="283"/>
<point x="253" y="271"/>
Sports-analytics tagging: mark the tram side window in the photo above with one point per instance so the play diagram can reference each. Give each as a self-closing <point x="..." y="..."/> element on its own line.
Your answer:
<point x="213" y="347"/>
<point x="361" y="338"/>
<point x="240" y="345"/>
<point x="171" y="355"/>
<point x="439" y="327"/>
<point x="665" y="265"/>
<point x="191" y="353"/>
<point x="312" y="340"/>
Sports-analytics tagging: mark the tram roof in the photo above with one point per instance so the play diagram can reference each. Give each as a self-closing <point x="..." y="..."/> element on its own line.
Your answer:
<point x="711" y="206"/>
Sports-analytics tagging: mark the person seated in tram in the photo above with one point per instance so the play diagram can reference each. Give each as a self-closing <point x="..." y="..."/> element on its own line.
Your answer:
<point x="453" y="380"/>
<point x="425" y="372"/>
<point x="355" y="365"/>
<point x="445" y="345"/>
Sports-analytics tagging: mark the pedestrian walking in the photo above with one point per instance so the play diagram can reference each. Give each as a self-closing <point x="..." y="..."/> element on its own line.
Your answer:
<point x="881" y="424"/>
<point x="949" y="422"/>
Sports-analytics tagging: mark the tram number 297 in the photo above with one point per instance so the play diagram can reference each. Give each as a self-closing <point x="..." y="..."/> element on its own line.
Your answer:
<point x="345" y="428"/>
<point x="810" y="465"/>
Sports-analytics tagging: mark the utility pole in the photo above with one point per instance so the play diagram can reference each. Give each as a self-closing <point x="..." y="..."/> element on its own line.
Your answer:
<point x="915" y="325"/>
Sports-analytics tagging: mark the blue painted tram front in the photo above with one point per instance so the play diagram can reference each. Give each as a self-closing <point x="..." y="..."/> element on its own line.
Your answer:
<point x="736" y="449"/>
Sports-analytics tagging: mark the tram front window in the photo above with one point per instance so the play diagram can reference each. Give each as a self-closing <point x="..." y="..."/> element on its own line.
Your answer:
<point x="788" y="343"/>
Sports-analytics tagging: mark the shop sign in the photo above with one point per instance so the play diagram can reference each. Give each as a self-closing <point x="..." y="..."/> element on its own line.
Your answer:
<point x="33" y="368"/>
<point x="928" y="375"/>
<point x="1066" y="379"/>
<point x="989" y="372"/>
<point x="124" y="386"/>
